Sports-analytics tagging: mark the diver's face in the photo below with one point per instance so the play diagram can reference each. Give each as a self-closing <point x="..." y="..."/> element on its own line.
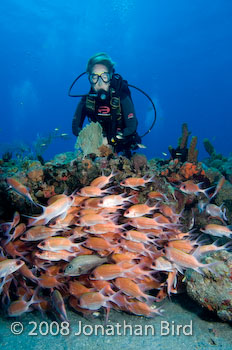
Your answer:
<point x="98" y="70"/>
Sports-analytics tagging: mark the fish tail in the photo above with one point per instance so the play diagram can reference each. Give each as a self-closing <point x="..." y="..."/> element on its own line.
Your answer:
<point x="207" y="192"/>
<point x="227" y="246"/>
<point x="210" y="267"/>
<point x="109" y="190"/>
<point x="151" y="179"/>
<point x="149" y="299"/>
<point x="158" y="311"/>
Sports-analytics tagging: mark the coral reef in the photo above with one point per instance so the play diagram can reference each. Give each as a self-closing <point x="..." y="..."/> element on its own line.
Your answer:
<point x="161" y="188"/>
<point x="216" y="163"/>
<point x="213" y="290"/>
<point x="139" y="162"/>
<point x="188" y="170"/>
<point x="105" y="150"/>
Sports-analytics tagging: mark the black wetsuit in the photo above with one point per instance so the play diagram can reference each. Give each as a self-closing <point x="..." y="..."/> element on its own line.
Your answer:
<point x="125" y="123"/>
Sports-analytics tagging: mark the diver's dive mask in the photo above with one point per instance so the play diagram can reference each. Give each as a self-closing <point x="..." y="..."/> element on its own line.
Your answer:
<point x="105" y="77"/>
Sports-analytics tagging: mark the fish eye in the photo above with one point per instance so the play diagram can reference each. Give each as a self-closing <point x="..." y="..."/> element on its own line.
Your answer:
<point x="69" y="266"/>
<point x="78" y="221"/>
<point x="124" y="235"/>
<point x="101" y="201"/>
<point x="24" y="235"/>
<point x="119" y="240"/>
<point x="18" y="262"/>
<point x="42" y="244"/>
<point x="91" y="275"/>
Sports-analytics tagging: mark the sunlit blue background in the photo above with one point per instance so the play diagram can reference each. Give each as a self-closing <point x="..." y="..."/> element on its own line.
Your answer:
<point x="179" y="52"/>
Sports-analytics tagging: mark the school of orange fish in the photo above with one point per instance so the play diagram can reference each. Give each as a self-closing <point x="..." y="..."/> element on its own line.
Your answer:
<point x="97" y="248"/>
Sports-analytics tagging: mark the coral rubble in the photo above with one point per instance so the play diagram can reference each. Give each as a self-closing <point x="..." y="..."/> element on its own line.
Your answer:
<point x="144" y="236"/>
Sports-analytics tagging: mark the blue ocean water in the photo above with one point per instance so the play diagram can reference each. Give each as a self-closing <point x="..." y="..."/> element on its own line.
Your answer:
<point x="179" y="52"/>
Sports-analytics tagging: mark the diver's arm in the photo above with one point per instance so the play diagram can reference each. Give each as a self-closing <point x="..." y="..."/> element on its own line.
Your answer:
<point x="79" y="117"/>
<point x="129" y="116"/>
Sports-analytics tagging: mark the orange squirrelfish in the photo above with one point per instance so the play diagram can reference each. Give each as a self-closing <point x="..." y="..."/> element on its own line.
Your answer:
<point x="38" y="233"/>
<point x="93" y="191"/>
<point x="18" y="307"/>
<point x="139" y="308"/>
<point x="19" y="188"/>
<point x="91" y="203"/>
<point x="136" y="236"/>
<point x="189" y="187"/>
<point x="99" y="229"/>
<point x="217" y="230"/>
<point x="59" y="207"/>
<point x="96" y="300"/>
<point x="185" y="260"/>
<point x="134" y="182"/>
<point x="130" y="288"/>
<point x="18" y="230"/>
<point x="99" y="285"/>
<point x="54" y="198"/>
<point x="88" y="211"/>
<point x="25" y="271"/>
<point x="92" y="219"/>
<point x="47" y="281"/>
<point x="6" y="227"/>
<point x="218" y="187"/>
<point x="9" y="266"/>
<point x="171" y="282"/>
<point x="77" y="289"/>
<point x="97" y="243"/>
<point x="203" y="249"/>
<point x="58" y="304"/>
<point x="157" y="195"/>
<point x="58" y="243"/>
<point x="169" y="212"/>
<point x="162" y="264"/>
<point x="102" y="181"/>
<point x="183" y="244"/>
<point x="108" y="272"/>
<point x="138" y="210"/>
<point x="55" y="256"/>
<point x="127" y="256"/>
<point x="146" y="223"/>
<point x="114" y="200"/>
<point x="133" y="246"/>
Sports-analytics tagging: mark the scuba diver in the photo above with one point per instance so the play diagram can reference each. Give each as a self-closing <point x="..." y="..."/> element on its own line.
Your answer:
<point x="109" y="103"/>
